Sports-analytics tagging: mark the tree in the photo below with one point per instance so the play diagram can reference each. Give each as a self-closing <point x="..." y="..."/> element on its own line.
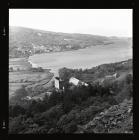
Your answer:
<point x="54" y="98"/>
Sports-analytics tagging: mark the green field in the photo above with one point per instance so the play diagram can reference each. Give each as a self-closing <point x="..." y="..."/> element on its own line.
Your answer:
<point x="27" y="76"/>
<point x="32" y="80"/>
<point x="21" y="63"/>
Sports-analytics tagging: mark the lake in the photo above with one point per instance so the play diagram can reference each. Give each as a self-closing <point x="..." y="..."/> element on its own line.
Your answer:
<point x="84" y="58"/>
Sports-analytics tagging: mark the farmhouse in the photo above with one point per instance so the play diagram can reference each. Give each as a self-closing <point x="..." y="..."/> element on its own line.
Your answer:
<point x="56" y="80"/>
<point x="58" y="83"/>
<point x="76" y="82"/>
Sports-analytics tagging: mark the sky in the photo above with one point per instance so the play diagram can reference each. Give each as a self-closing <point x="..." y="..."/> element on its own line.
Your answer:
<point x="106" y="22"/>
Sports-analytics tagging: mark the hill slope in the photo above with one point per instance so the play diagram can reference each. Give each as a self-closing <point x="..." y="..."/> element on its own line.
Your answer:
<point x="95" y="108"/>
<point x="25" y="41"/>
<point x="116" y="119"/>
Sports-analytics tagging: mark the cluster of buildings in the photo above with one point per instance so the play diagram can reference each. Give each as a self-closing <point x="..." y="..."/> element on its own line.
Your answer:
<point x="58" y="83"/>
<point x="39" y="48"/>
<point x="33" y="49"/>
<point x="77" y="82"/>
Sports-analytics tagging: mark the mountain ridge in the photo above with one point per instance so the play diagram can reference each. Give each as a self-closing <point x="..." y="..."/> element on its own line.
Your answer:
<point x="46" y="31"/>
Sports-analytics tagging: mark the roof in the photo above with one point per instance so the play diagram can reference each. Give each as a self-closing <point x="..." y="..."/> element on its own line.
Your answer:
<point x="74" y="81"/>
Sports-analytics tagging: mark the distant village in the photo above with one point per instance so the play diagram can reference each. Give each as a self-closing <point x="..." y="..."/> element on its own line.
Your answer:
<point x="35" y="49"/>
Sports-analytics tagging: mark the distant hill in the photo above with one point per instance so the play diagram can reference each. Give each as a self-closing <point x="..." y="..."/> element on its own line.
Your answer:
<point x="25" y="41"/>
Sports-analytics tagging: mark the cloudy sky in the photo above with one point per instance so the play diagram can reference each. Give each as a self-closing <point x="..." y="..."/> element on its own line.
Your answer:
<point x="108" y="22"/>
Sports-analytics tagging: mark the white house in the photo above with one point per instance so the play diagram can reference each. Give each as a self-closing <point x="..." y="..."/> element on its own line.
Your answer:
<point x="56" y="83"/>
<point x="74" y="81"/>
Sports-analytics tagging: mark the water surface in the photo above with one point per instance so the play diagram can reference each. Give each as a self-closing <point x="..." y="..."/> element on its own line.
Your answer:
<point x="84" y="58"/>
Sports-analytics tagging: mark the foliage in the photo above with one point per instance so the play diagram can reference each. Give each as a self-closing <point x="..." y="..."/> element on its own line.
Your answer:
<point x="115" y="119"/>
<point x="19" y="95"/>
<point x="64" y="111"/>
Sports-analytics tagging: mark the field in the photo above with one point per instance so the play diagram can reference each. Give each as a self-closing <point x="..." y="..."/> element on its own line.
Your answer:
<point x="31" y="80"/>
<point x="20" y="63"/>
<point x="26" y="77"/>
<point x="15" y="86"/>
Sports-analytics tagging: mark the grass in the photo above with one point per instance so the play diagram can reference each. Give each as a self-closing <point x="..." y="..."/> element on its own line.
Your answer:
<point x="26" y="77"/>
<point x="19" y="62"/>
<point x="14" y="86"/>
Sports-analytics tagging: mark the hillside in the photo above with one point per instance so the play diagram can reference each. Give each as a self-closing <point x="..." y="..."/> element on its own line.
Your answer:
<point x="96" y="108"/>
<point x="41" y="82"/>
<point x="25" y="41"/>
<point x="98" y="73"/>
<point x="120" y="86"/>
<point x="116" y="119"/>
